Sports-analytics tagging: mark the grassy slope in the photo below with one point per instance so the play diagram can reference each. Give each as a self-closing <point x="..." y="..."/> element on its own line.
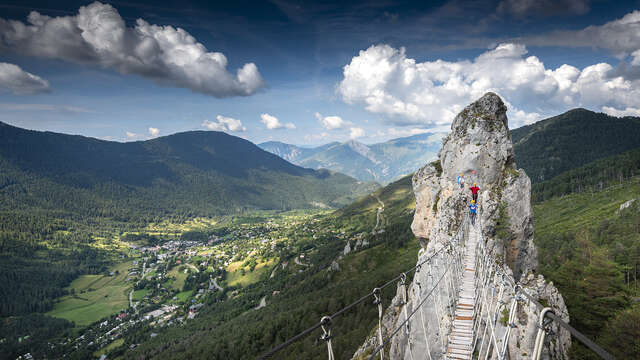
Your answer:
<point x="96" y="296"/>
<point x="235" y="276"/>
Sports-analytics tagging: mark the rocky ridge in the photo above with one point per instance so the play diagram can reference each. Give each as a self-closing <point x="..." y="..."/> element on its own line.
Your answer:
<point x="479" y="146"/>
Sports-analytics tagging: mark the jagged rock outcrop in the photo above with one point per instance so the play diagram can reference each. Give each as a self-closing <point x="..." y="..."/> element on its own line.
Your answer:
<point x="479" y="146"/>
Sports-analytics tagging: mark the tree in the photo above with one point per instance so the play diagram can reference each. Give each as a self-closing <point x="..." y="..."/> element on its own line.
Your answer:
<point x="624" y="330"/>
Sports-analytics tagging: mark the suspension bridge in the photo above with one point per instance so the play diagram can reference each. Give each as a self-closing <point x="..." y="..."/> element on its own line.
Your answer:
<point x="459" y="294"/>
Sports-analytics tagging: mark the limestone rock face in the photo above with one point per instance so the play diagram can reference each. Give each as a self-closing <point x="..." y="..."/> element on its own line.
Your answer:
<point x="479" y="147"/>
<point x="524" y="337"/>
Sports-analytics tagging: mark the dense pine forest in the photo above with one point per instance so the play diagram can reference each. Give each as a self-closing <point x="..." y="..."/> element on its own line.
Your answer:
<point x="578" y="137"/>
<point x="187" y="174"/>
<point x="600" y="174"/>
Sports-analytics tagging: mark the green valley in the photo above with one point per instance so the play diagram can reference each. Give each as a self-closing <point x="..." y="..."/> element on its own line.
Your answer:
<point x="282" y="258"/>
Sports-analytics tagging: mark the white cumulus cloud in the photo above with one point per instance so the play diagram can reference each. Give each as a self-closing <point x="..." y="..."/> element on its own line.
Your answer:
<point x="273" y="123"/>
<point x="154" y="131"/>
<point x="385" y="81"/>
<point x="19" y="82"/>
<point x="98" y="35"/>
<point x="331" y="122"/>
<point x="630" y="111"/>
<point x="224" y="123"/>
<point x="356" y="132"/>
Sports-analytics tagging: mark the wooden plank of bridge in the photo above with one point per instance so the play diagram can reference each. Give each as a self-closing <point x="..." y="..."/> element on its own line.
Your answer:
<point x="460" y="340"/>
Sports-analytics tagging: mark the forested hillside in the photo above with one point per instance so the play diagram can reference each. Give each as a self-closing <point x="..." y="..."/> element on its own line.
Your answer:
<point x="592" y="177"/>
<point x="575" y="138"/>
<point x="195" y="173"/>
<point x="589" y="246"/>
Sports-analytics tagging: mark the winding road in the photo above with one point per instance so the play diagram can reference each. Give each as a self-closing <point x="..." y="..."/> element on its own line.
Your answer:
<point x="216" y="285"/>
<point x="297" y="261"/>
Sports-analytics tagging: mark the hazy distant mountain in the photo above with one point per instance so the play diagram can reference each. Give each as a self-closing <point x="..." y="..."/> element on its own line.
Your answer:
<point x="293" y="153"/>
<point x="199" y="172"/>
<point x="577" y="137"/>
<point x="381" y="162"/>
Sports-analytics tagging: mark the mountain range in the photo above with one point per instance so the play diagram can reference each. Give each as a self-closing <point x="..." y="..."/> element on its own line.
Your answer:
<point x="382" y="162"/>
<point x="193" y="172"/>
<point x="198" y="172"/>
<point x="544" y="149"/>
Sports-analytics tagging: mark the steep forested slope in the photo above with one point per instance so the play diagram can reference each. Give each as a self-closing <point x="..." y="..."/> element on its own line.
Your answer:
<point x="592" y="177"/>
<point x="575" y="138"/>
<point x="590" y="248"/>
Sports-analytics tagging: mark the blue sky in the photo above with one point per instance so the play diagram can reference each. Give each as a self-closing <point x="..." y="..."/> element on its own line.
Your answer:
<point x="311" y="73"/>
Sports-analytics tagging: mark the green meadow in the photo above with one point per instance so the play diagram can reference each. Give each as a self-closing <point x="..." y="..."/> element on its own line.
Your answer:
<point x="235" y="274"/>
<point x="94" y="297"/>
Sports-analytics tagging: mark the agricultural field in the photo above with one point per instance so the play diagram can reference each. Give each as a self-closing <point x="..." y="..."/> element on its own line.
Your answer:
<point x="93" y="297"/>
<point x="170" y="228"/>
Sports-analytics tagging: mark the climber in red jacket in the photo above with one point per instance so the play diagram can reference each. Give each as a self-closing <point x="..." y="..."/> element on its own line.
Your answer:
<point x="474" y="191"/>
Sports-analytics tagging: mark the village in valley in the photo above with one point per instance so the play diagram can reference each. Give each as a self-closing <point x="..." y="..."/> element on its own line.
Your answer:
<point x="164" y="281"/>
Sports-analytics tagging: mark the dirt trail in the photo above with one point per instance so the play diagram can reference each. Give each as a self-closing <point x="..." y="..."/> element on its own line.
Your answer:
<point x="379" y="215"/>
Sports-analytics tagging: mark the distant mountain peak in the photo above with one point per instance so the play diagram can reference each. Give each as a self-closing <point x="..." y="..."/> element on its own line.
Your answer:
<point x="383" y="162"/>
<point x="361" y="149"/>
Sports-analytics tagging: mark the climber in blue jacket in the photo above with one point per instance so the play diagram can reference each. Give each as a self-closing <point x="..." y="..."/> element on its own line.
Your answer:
<point x="473" y="210"/>
<point x="461" y="181"/>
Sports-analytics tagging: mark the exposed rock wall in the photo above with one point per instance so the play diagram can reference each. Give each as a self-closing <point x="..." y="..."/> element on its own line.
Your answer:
<point x="479" y="146"/>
